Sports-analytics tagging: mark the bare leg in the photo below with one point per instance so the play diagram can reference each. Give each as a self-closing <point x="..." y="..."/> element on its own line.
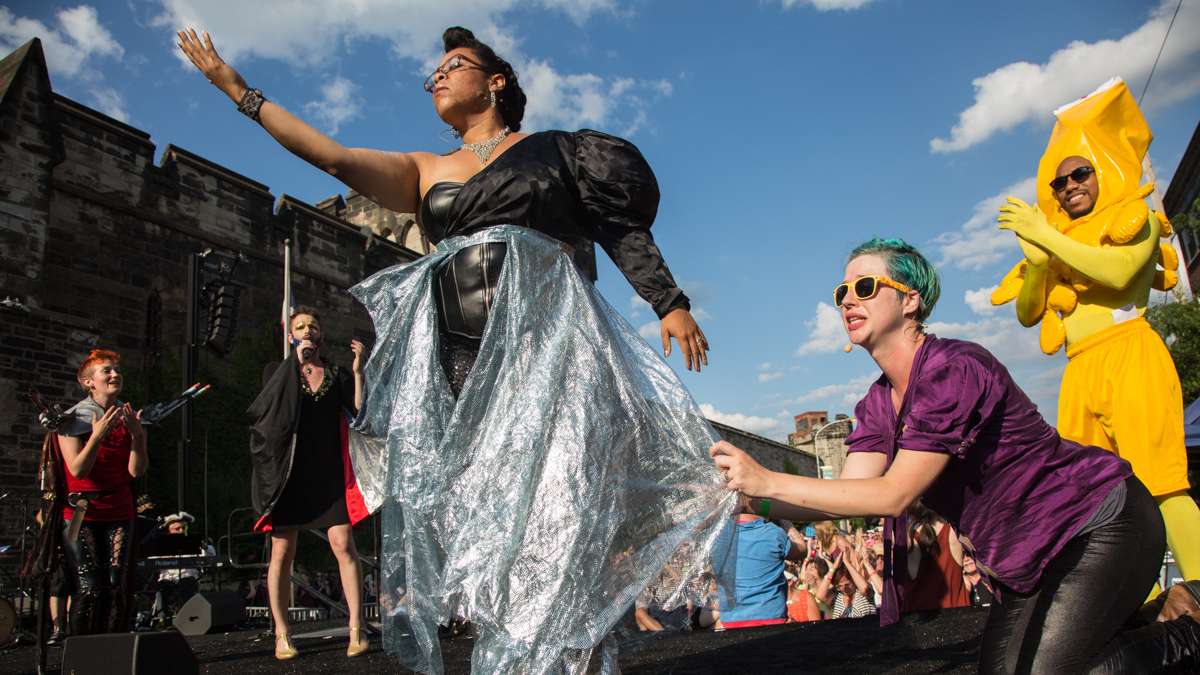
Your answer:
<point x="341" y="542"/>
<point x="58" y="612"/>
<point x="279" y="577"/>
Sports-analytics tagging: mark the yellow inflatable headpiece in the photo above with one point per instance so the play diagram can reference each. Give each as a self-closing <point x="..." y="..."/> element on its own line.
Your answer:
<point x="1107" y="129"/>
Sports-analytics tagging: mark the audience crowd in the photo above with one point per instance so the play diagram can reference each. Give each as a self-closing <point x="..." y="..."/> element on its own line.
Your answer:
<point x="786" y="573"/>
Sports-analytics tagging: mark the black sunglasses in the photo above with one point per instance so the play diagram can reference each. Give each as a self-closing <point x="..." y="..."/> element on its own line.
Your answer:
<point x="1079" y="175"/>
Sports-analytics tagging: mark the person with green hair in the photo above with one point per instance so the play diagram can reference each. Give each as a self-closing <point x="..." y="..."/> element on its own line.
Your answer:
<point x="1069" y="536"/>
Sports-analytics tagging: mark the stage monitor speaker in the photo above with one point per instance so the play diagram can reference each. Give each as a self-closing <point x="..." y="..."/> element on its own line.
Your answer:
<point x="210" y="611"/>
<point x="129" y="653"/>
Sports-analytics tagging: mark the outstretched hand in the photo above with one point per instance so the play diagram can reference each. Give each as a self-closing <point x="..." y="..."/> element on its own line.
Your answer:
<point x="679" y="324"/>
<point x="204" y="56"/>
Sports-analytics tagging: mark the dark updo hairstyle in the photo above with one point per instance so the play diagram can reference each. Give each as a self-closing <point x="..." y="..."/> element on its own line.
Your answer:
<point x="510" y="100"/>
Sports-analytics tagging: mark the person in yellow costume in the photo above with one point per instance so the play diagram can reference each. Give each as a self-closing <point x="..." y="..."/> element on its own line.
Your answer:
<point x="1092" y="248"/>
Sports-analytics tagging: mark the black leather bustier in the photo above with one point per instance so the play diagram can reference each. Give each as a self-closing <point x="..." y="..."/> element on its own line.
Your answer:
<point x="465" y="285"/>
<point x="577" y="188"/>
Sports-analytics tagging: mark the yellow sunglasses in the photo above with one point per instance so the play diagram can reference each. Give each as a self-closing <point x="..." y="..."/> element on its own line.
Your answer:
<point x="865" y="288"/>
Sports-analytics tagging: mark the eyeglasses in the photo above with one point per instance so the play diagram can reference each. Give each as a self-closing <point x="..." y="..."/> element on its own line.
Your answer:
<point x="865" y="288"/>
<point x="1079" y="175"/>
<point x="457" y="61"/>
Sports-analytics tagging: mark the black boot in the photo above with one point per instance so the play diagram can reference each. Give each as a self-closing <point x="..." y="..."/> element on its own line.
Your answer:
<point x="1148" y="613"/>
<point x="1161" y="647"/>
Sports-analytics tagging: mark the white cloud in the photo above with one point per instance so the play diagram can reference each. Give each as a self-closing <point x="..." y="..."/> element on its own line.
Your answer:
<point x="978" y="242"/>
<point x="412" y="31"/>
<point x="584" y="99"/>
<point x="751" y="423"/>
<point x="637" y="305"/>
<point x="769" y="376"/>
<point x="827" y="5"/>
<point x="650" y="333"/>
<point x="75" y="49"/>
<point x="1008" y="340"/>
<point x="843" y="393"/>
<point x="109" y="102"/>
<point x="826" y="333"/>
<point x="980" y="300"/>
<point x="1020" y="92"/>
<point x="71" y="47"/>
<point x="765" y="365"/>
<point x="580" y="10"/>
<point x="339" y="103"/>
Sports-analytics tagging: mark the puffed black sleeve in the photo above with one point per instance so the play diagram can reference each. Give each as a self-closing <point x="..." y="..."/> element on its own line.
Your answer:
<point x="620" y="197"/>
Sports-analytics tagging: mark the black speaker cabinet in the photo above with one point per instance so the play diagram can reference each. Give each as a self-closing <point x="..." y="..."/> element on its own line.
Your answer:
<point x="210" y="611"/>
<point x="129" y="653"/>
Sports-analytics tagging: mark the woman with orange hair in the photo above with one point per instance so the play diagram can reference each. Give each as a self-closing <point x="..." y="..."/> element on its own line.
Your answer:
<point x="103" y="449"/>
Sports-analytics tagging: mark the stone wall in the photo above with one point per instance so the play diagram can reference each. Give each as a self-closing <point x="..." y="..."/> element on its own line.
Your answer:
<point x="774" y="456"/>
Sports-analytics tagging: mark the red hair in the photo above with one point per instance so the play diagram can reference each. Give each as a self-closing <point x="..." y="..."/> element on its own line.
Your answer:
<point x="96" y="356"/>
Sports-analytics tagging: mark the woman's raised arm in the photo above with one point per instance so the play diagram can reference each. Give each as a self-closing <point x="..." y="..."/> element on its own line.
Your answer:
<point x="391" y="179"/>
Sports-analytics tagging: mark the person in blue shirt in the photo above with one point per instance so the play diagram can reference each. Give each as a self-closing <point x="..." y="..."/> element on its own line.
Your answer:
<point x="760" y="593"/>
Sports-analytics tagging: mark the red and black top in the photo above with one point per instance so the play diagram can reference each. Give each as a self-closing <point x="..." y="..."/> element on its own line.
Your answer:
<point x="110" y="474"/>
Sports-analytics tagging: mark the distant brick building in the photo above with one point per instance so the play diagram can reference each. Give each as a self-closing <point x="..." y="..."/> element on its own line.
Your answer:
<point x="806" y="424"/>
<point x="824" y="439"/>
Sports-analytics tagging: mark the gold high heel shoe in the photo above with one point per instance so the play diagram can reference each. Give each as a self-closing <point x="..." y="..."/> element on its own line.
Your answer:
<point x="283" y="648"/>
<point x="358" y="643"/>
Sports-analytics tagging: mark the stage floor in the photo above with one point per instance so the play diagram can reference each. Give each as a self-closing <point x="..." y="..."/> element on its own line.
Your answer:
<point x="939" y="642"/>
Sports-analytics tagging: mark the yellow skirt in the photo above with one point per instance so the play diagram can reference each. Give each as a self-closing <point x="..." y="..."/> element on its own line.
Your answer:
<point x="1120" y="392"/>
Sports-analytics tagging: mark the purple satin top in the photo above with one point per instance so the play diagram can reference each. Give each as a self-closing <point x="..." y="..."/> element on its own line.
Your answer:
<point x="1014" y="489"/>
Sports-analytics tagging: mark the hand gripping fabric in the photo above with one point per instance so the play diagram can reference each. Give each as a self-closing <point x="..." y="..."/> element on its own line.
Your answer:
<point x="573" y="466"/>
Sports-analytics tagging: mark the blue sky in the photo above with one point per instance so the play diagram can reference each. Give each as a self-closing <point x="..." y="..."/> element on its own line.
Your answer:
<point x="783" y="132"/>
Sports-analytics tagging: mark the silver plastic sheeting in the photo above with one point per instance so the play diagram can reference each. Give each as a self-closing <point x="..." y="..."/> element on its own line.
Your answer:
<point x="573" y="466"/>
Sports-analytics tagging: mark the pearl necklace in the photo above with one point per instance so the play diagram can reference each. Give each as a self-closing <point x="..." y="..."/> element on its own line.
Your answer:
<point x="484" y="149"/>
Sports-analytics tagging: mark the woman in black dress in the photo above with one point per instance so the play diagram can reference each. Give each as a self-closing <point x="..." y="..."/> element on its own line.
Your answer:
<point x="537" y="463"/>
<point x="302" y="474"/>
